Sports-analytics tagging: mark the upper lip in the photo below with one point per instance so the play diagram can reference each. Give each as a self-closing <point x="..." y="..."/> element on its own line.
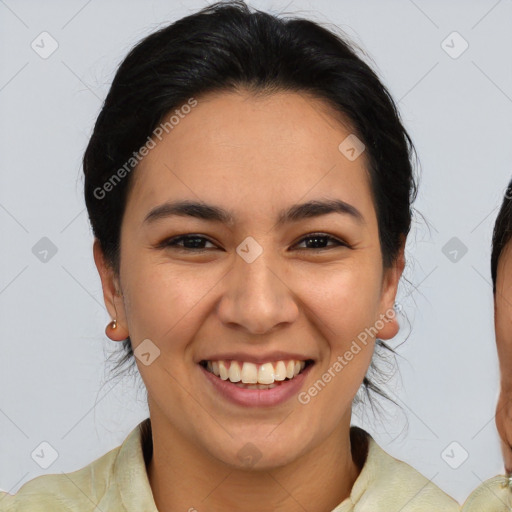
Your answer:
<point x="256" y="359"/>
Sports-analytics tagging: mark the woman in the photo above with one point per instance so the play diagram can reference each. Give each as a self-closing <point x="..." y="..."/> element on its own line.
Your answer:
<point x="249" y="184"/>
<point x="500" y="272"/>
<point x="496" y="493"/>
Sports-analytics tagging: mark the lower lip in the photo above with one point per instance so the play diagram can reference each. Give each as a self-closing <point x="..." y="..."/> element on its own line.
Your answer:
<point x="257" y="397"/>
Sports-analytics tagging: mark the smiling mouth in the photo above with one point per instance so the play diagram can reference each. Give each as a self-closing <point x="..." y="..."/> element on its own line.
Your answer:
<point x="248" y="375"/>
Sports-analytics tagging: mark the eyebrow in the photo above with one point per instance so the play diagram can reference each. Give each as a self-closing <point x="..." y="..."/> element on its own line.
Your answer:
<point x="212" y="213"/>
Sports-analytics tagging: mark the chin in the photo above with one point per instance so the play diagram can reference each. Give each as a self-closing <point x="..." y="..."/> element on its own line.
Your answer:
<point x="258" y="453"/>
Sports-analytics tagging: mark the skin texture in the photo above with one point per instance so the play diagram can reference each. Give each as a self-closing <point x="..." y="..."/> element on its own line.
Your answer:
<point x="254" y="156"/>
<point x="503" y="328"/>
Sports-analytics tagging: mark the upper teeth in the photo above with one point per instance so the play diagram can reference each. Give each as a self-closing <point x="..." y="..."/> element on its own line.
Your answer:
<point x="250" y="373"/>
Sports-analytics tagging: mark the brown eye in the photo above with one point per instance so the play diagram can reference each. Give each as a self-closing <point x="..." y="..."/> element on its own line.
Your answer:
<point x="186" y="242"/>
<point x="318" y="241"/>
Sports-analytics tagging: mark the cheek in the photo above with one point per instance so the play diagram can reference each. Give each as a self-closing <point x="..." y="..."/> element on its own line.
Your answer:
<point x="345" y="300"/>
<point x="161" y="303"/>
<point x="503" y="318"/>
<point x="347" y="307"/>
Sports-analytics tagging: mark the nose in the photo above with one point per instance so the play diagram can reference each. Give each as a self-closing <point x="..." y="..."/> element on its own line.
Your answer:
<point x="257" y="298"/>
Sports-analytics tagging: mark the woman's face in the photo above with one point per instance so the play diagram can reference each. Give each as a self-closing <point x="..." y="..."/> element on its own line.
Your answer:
<point x="259" y="289"/>
<point x="503" y="303"/>
<point x="503" y="328"/>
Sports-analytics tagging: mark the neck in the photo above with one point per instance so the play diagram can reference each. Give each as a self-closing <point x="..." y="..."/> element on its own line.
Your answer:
<point x="183" y="478"/>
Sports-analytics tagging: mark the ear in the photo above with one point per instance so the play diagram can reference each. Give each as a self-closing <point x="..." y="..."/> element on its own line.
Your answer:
<point x="112" y="294"/>
<point x="391" y="278"/>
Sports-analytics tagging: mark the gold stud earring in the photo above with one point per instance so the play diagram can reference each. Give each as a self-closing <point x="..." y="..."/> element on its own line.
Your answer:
<point x="111" y="329"/>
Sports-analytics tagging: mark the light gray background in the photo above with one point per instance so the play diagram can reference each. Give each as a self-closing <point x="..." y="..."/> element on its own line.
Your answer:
<point x="53" y="347"/>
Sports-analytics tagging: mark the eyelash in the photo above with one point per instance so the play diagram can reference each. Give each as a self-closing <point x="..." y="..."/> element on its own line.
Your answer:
<point x="173" y="242"/>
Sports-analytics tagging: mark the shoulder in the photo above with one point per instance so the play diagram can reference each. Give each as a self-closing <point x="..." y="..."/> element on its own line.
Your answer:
<point x="494" y="495"/>
<point x="79" y="491"/>
<point x="387" y="483"/>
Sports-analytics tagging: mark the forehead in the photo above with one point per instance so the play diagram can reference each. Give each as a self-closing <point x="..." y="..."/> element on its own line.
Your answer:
<point x="253" y="150"/>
